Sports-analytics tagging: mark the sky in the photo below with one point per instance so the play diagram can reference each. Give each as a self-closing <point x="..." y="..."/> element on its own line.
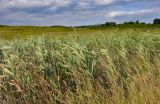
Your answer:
<point x="76" y="12"/>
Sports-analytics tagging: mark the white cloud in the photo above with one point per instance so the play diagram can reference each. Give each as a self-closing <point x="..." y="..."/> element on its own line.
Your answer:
<point x="4" y="4"/>
<point x="107" y="2"/>
<point x="104" y="2"/>
<point x="33" y="3"/>
<point x="84" y="4"/>
<point x="114" y="14"/>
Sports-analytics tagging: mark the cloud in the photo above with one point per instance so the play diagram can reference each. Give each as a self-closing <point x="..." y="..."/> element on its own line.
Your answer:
<point x="104" y="2"/>
<point x="107" y="2"/>
<point x="114" y="14"/>
<point x="69" y="18"/>
<point x="75" y="12"/>
<point x="4" y="4"/>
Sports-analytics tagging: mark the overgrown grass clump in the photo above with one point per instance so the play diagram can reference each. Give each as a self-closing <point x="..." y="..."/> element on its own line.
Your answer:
<point x="105" y="69"/>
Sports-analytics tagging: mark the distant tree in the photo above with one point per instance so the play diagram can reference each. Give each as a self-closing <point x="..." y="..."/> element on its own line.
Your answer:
<point x="131" y="22"/>
<point x="156" y="21"/>
<point x="142" y="23"/>
<point x="137" y="22"/>
<point x="110" y="24"/>
<point x="2" y="25"/>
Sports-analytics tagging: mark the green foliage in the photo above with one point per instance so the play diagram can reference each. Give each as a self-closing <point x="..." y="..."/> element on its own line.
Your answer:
<point x="113" y="66"/>
<point x="110" y="24"/>
<point x="156" y="21"/>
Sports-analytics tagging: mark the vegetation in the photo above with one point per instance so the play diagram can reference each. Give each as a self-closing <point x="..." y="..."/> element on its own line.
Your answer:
<point x="10" y="32"/>
<point x="156" y="21"/>
<point x="110" y="24"/>
<point x="130" y="24"/>
<point x="99" y="64"/>
<point x="119" y="66"/>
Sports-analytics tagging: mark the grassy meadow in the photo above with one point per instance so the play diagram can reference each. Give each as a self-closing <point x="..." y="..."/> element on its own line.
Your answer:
<point x="59" y="65"/>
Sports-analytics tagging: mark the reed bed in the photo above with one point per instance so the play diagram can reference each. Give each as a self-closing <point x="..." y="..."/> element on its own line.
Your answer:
<point x="97" y="69"/>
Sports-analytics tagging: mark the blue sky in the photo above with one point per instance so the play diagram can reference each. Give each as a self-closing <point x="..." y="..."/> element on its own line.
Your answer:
<point x="76" y="12"/>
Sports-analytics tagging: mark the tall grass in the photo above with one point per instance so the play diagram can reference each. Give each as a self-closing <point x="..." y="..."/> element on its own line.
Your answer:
<point x="104" y="69"/>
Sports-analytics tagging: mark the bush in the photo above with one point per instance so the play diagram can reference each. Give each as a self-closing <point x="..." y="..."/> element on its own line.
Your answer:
<point x="110" y="24"/>
<point x="156" y="21"/>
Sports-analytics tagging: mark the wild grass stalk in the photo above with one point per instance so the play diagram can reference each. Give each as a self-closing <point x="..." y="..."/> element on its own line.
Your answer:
<point x="104" y="69"/>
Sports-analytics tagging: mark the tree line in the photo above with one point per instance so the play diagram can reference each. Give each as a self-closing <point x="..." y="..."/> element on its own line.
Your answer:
<point x="155" y="21"/>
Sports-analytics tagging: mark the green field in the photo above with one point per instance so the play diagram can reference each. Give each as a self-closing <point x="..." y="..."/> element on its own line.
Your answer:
<point x="18" y="32"/>
<point x="60" y="65"/>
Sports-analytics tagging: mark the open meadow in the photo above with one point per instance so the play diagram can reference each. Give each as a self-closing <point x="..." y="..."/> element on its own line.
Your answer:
<point x="59" y="65"/>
